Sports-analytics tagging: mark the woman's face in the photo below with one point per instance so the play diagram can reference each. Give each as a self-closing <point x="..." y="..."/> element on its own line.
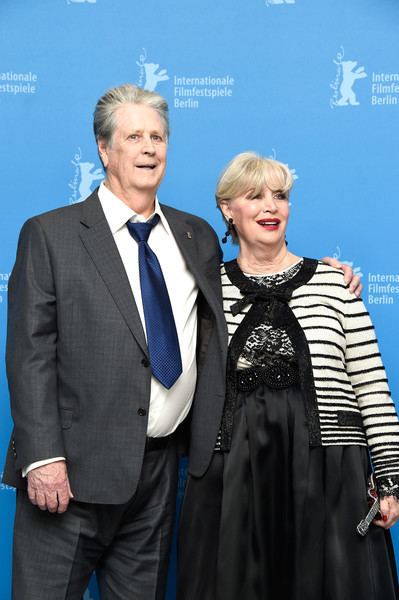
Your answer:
<point x="259" y="219"/>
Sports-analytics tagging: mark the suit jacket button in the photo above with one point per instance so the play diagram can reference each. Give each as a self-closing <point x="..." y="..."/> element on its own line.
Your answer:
<point x="145" y="362"/>
<point x="142" y="412"/>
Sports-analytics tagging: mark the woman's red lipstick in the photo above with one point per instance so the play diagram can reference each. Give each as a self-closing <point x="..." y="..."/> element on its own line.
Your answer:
<point x="269" y="224"/>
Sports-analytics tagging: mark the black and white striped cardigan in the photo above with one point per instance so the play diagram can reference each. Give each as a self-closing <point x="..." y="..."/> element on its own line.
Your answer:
<point x="353" y="401"/>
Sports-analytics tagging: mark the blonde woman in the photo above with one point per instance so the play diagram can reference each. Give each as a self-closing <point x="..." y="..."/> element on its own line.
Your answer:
<point x="275" y="516"/>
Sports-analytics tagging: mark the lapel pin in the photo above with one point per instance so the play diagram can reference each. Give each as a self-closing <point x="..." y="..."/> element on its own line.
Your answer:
<point x="188" y="233"/>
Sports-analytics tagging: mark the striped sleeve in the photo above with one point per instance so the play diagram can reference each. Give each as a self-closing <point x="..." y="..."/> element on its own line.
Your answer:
<point x="370" y="384"/>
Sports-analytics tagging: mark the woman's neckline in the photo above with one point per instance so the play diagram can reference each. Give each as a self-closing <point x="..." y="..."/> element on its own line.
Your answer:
<point x="272" y="273"/>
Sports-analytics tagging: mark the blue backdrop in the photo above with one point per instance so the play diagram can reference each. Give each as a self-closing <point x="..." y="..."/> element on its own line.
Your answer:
<point x="314" y="83"/>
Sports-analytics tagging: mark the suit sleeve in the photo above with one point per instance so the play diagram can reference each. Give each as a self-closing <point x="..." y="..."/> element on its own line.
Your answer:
<point x="31" y="354"/>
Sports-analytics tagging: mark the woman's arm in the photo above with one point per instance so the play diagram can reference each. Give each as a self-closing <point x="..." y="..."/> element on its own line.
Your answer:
<point x="369" y="381"/>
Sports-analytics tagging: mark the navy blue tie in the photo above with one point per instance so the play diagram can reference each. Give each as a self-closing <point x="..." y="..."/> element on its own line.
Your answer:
<point x="162" y="340"/>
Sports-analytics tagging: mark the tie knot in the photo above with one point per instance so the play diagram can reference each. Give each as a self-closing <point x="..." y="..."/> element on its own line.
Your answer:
<point x="141" y="231"/>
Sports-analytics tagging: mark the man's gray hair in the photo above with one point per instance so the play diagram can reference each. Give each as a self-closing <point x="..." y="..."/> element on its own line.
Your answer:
<point x="104" y="122"/>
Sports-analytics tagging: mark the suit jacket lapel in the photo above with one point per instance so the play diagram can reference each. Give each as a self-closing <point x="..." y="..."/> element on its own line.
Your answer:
<point x="99" y="243"/>
<point x="188" y="245"/>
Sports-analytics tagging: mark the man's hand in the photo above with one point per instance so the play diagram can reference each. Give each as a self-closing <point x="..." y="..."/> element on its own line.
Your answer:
<point x="355" y="287"/>
<point x="48" y="487"/>
<point x="389" y="509"/>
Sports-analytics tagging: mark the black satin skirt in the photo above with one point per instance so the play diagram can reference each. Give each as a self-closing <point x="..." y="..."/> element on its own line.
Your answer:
<point x="274" y="519"/>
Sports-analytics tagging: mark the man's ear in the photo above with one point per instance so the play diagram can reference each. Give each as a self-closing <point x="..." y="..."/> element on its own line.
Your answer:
<point x="103" y="152"/>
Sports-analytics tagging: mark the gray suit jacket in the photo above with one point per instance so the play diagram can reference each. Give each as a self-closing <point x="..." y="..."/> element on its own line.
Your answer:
<point x="76" y="351"/>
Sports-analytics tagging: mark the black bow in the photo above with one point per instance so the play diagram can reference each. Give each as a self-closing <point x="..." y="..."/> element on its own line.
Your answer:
<point x="262" y="295"/>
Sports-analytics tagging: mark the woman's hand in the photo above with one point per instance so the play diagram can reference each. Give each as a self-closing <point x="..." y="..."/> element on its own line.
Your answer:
<point x="389" y="509"/>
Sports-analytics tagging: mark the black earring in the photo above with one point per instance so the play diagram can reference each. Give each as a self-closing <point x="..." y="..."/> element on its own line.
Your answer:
<point x="228" y="232"/>
<point x="286" y="242"/>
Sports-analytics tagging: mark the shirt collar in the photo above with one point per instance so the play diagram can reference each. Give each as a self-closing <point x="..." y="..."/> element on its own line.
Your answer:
<point x="117" y="213"/>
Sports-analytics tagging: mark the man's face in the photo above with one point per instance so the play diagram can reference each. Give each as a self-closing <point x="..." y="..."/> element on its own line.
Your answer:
<point x="135" y="160"/>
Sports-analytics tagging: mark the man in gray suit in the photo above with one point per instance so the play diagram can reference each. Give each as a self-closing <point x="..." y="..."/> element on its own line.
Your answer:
<point x="94" y="445"/>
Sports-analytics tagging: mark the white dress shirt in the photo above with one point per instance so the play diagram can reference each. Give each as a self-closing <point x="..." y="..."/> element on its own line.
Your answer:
<point x="168" y="408"/>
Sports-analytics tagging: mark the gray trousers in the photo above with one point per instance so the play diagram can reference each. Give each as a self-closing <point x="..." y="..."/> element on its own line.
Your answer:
<point x="127" y="545"/>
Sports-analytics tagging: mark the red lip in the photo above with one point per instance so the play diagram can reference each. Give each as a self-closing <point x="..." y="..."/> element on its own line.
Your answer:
<point x="269" y="224"/>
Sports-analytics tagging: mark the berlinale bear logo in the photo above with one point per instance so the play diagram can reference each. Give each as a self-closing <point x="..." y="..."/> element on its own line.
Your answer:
<point x="346" y="75"/>
<point x="150" y="73"/>
<point x="84" y="177"/>
<point x="349" y="76"/>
